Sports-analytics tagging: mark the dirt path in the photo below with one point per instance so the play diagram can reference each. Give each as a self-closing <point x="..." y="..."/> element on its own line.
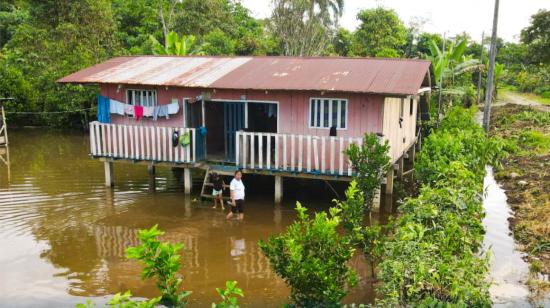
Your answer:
<point x="511" y="98"/>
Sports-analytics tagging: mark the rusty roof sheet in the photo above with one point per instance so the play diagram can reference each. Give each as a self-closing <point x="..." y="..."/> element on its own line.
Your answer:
<point x="363" y="75"/>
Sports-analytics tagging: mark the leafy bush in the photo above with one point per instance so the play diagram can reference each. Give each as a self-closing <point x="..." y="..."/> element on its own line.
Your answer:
<point x="161" y="259"/>
<point x="368" y="238"/>
<point x="434" y="258"/>
<point x="312" y="258"/>
<point x="370" y="161"/>
<point x="229" y="295"/>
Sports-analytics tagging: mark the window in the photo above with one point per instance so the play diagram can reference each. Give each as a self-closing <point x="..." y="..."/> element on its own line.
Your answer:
<point x="411" y="106"/>
<point x="146" y="98"/>
<point x="401" y="107"/>
<point x="328" y="112"/>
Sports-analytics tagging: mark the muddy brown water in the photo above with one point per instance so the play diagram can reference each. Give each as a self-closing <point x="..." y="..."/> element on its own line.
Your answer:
<point x="63" y="234"/>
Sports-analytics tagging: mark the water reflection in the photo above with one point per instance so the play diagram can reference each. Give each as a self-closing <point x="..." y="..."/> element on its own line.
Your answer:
<point x="66" y="233"/>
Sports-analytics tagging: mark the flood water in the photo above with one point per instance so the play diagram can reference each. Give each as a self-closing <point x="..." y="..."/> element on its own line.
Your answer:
<point x="63" y="234"/>
<point x="509" y="272"/>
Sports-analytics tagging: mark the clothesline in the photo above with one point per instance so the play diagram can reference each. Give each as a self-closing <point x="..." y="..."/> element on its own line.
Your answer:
<point x="106" y="106"/>
<point x="50" y="112"/>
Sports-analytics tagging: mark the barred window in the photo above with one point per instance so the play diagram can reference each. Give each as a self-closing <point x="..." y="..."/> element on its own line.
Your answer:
<point x="146" y="98"/>
<point x="328" y="112"/>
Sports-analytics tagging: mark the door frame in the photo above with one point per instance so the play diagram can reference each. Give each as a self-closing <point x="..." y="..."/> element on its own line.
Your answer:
<point x="246" y="101"/>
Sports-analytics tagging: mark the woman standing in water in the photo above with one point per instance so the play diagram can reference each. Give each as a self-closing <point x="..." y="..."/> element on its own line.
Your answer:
<point x="237" y="196"/>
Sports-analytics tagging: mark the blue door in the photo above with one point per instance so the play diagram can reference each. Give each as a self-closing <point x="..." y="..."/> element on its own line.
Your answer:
<point x="233" y="122"/>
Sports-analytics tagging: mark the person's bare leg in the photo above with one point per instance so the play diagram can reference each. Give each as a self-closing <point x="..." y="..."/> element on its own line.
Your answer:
<point x="221" y="202"/>
<point x="229" y="215"/>
<point x="241" y="216"/>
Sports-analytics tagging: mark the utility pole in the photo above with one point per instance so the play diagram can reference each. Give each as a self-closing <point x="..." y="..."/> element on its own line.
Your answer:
<point x="441" y="69"/>
<point x="480" y="70"/>
<point x="491" y="72"/>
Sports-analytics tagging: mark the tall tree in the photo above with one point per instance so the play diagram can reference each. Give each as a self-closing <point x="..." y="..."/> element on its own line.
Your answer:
<point x="304" y="27"/>
<point x="537" y="37"/>
<point x="380" y="34"/>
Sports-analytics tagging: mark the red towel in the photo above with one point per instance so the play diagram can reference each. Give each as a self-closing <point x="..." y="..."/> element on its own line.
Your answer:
<point x="138" y="112"/>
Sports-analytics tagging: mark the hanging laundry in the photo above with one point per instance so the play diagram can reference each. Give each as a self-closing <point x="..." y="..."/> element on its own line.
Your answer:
<point x="160" y="111"/>
<point x="173" y="108"/>
<point x="116" y="107"/>
<point x="129" y="110"/>
<point x="175" y="138"/>
<point x="148" y="111"/>
<point x="138" y="112"/>
<point x="185" y="139"/>
<point x="103" y="109"/>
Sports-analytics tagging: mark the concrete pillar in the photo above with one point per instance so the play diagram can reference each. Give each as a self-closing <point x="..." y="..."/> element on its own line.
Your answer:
<point x="278" y="189"/>
<point x="389" y="182"/>
<point x="109" y="179"/>
<point x="400" y="168"/>
<point x="187" y="181"/>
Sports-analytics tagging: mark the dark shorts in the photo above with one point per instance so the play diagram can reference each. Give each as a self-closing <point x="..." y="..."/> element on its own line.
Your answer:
<point x="239" y="207"/>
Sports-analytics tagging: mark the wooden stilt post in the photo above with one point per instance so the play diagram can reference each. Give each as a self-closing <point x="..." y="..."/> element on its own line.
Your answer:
<point x="151" y="169"/>
<point x="401" y="164"/>
<point x="412" y="154"/>
<point x="187" y="181"/>
<point x="109" y="180"/>
<point x="278" y="189"/>
<point x="389" y="182"/>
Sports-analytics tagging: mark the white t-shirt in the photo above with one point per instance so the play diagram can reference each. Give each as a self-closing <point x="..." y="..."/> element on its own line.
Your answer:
<point x="237" y="187"/>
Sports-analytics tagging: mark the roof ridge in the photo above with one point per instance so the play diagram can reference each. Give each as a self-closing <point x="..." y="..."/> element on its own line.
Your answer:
<point x="282" y="57"/>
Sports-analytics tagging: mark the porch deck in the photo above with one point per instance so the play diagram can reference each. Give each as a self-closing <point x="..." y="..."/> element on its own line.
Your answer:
<point x="262" y="153"/>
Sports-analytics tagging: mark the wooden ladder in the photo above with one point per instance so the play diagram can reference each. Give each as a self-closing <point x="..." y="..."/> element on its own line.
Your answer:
<point x="206" y="183"/>
<point x="3" y="127"/>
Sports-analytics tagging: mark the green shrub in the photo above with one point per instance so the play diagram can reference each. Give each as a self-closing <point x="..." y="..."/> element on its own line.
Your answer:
<point x="370" y="161"/>
<point x="433" y="258"/>
<point x="229" y="295"/>
<point x="312" y="258"/>
<point x="161" y="260"/>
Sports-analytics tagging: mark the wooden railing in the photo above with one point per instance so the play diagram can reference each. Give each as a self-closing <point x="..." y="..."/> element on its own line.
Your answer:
<point x="140" y="143"/>
<point x="294" y="153"/>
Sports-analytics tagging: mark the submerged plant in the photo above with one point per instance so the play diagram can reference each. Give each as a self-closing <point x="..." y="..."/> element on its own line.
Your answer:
<point x="229" y="295"/>
<point x="161" y="260"/>
<point x="370" y="161"/>
<point x="312" y="258"/>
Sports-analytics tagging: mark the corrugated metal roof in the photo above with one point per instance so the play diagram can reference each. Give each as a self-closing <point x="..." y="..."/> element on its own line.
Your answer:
<point x="365" y="75"/>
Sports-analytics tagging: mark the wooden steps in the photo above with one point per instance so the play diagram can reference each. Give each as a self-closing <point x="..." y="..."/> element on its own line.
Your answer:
<point x="225" y="171"/>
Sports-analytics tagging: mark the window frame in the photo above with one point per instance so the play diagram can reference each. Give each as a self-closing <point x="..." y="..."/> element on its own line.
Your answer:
<point x="411" y="106"/>
<point x="134" y="91"/>
<point x="315" y="114"/>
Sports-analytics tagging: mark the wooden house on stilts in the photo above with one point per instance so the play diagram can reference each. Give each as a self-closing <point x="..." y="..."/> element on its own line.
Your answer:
<point x="276" y="116"/>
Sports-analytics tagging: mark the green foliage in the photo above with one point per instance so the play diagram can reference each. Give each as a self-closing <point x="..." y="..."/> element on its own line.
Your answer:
<point x="217" y="42"/>
<point x="380" y="34"/>
<point x="537" y="37"/>
<point x="433" y="258"/>
<point x="161" y="260"/>
<point x="370" y="162"/>
<point x="124" y="300"/>
<point x="311" y="256"/>
<point x="304" y="28"/>
<point x="368" y="238"/>
<point x="229" y="295"/>
<point x="174" y="45"/>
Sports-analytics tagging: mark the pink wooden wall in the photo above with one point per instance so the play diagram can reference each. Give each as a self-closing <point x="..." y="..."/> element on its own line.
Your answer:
<point x="364" y="111"/>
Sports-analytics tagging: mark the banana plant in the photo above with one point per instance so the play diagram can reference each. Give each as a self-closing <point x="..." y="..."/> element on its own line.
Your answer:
<point x="176" y="46"/>
<point x="453" y="63"/>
